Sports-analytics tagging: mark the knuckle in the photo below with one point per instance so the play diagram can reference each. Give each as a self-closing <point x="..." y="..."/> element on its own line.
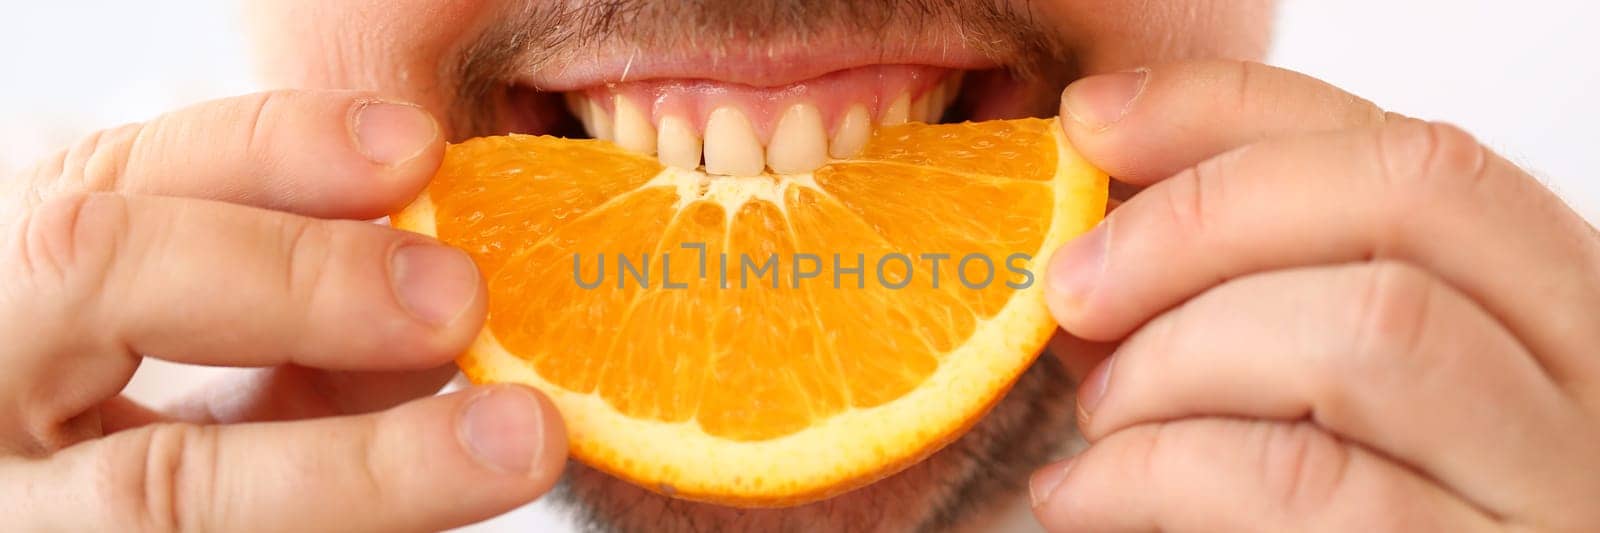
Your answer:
<point x="98" y="162"/>
<point x="1251" y="76"/>
<point x="259" y="112"/>
<point x="1184" y="201"/>
<point x="1384" y="313"/>
<point x="155" y="476"/>
<point x="1390" y="318"/>
<point x="1426" y="158"/>
<point x="308" y="247"/>
<point x="1301" y="465"/>
<point x="1456" y="152"/>
<point x="1159" y="452"/>
<point x="1403" y="147"/>
<point x="371" y="466"/>
<point x="1156" y="450"/>
<point x="71" y="240"/>
<point x="1190" y="195"/>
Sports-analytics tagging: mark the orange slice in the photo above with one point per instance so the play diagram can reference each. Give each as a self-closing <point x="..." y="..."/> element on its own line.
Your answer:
<point x="770" y="340"/>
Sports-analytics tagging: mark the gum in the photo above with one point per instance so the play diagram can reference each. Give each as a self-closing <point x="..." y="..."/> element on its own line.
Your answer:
<point x="876" y="86"/>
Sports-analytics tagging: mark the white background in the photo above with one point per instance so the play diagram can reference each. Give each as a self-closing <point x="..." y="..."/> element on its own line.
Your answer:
<point x="1523" y="76"/>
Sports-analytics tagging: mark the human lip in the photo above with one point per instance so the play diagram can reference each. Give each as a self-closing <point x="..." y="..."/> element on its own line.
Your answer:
<point x="742" y="111"/>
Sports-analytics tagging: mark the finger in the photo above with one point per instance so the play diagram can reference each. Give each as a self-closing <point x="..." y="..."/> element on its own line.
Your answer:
<point x="104" y="277"/>
<point x="432" y="464"/>
<point x="1077" y="355"/>
<point x="1145" y="125"/>
<point x="1425" y="194"/>
<point x="1382" y="354"/>
<point x="330" y="154"/>
<point x="1236" y="475"/>
<point x="212" y="283"/>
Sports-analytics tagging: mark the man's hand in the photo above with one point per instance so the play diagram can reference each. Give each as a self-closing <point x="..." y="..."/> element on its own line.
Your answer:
<point x="1332" y="319"/>
<point x="230" y="233"/>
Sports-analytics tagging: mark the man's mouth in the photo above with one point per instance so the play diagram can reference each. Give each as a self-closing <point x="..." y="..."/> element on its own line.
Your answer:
<point x="740" y="129"/>
<point x="743" y="130"/>
<point x="742" y="87"/>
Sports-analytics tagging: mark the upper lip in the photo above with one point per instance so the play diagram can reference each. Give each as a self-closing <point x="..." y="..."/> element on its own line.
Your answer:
<point x="766" y="65"/>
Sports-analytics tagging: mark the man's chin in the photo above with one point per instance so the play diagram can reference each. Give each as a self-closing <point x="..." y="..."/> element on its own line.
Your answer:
<point x="958" y="488"/>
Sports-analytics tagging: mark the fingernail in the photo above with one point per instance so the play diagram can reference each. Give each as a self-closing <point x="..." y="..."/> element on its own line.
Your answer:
<point x="1046" y="480"/>
<point x="1076" y="268"/>
<point x="1097" y="102"/>
<point x="503" y="428"/>
<point x="390" y="133"/>
<point x="1093" y="389"/>
<point x="435" y="283"/>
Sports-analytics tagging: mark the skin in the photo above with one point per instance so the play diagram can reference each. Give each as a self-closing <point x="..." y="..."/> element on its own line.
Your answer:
<point x="1413" y="288"/>
<point x="1408" y="346"/>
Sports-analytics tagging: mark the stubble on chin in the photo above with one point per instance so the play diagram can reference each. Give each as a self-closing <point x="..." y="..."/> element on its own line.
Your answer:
<point x="955" y="489"/>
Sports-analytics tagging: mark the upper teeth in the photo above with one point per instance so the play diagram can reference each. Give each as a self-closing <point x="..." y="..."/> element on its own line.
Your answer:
<point x="731" y="147"/>
<point x="800" y="141"/>
<point x="800" y="144"/>
<point x="852" y="132"/>
<point x="677" y="144"/>
<point x="899" y="111"/>
<point x="633" y="128"/>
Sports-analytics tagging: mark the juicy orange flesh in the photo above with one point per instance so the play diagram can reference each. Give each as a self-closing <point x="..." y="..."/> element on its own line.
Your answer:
<point x="766" y="356"/>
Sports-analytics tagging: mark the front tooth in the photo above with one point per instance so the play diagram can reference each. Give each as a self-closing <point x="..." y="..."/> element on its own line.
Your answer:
<point x="937" y="104"/>
<point x="852" y="133"/>
<point x="731" y="147"/>
<point x="799" y="144"/>
<point x="951" y="88"/>
<point x="677" y="144"/>
<point x="633" y="129"/>
<point x="579" y="106"/>
<point x="922" y="109"/>
<point x="598" y="120"/>
<point x="576" y="104"/>
<point x="952" y="83"/>
<point x="898" y="112"/>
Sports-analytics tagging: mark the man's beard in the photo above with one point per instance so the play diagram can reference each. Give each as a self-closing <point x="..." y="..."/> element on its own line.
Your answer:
<point x="950" y="490"/>
<point x="556" y="35"/>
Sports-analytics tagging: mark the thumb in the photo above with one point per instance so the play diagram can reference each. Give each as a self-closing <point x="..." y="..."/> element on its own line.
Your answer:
<point x="1146" y="125"/>
<point x="432" y="464"/>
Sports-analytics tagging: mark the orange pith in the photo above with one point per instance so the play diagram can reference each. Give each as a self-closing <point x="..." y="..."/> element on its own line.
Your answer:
<point x="777" y="388"/>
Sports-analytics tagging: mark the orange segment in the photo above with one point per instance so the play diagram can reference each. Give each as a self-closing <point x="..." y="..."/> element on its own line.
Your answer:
<point x="770" y="340"/>
<point x="539" y="190"/>
<point x="1014" y="149"/>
